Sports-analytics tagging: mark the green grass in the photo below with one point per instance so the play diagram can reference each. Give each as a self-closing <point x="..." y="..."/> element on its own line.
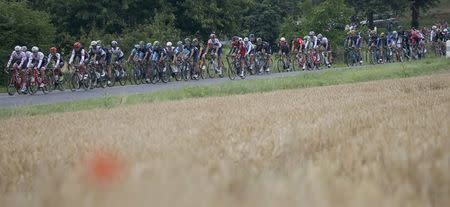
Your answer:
<point x="323" y="78"/>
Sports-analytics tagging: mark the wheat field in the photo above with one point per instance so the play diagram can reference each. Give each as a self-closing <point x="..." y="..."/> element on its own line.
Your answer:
<point x="382" y="143"/>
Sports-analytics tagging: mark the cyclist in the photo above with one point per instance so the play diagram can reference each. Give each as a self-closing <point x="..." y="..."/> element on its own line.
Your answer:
<point x="248" y="50"/>
<point x="382" y="45"/>
<point x="325" y="44"/>
<point x="134" y="55"/>
<point x="157" y="55"/>
<point x="215" y="46"/>
<point x="79" y="53"/>
<point x="96" y="54"/>
<point x="39" y="61"/>
<point x="195" y="53"/>
<point x="58" y="63"/>
<point x="18" y="59"/>
<point x="148" y="52"/>
<point x="263" y="48"/>
<point x="108" y="59"/>
<point x="356" y="41"/>
<point x="284" y="52"/>
<point x="169" y="53"/>
<point x="297" y="45"/>
<point x="117" y="54"/>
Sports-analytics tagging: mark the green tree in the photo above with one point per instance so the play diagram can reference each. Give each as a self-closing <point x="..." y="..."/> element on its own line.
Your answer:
<point x="328" y="18"/>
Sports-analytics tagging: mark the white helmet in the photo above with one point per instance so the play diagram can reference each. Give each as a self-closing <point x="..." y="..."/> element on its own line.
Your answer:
<point x="434" y="27"/>
<point x="445" y="30"/>
<point x="169" y="44"/>
<point x="394" y="32"/>
<point x="319" y="36"/>
<point x="24" y="48"/>
<point x="93" y="43"/>
<point x="283" y="39"/>
<point x="246" y="39"/>
<point x="114" y="43"/>
<point x="17" y="48"/>
<point x="34" y="49"/>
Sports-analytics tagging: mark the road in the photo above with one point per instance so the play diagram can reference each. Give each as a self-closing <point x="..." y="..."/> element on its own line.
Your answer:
<point x="67" y="95"/>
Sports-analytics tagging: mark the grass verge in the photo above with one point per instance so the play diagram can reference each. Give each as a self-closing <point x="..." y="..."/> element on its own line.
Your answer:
<point x="324" y="78"/>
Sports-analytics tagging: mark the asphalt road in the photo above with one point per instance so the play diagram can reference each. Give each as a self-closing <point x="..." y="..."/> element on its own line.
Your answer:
<point x="67" y="95"/>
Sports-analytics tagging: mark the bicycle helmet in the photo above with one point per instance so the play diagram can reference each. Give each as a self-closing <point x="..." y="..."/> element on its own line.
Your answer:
<point x="34" y="49"/>
<point x="77" y="45"/>
<point x="169" y="44"/>
<point x="445" y="30"/>
<point x="259" y="40"/>
<point x="311" y="33"/>
<point x="141" y="43"/>
<point x="99" y="42"/>
<point x="156" y="43"/>
<point x="179" y="43"/>
<point x="53" y="50"/>
<point x="394" y="32"/>
<point x="136" y="46"/>
<point x="382" y="34"/>
<point x="114" y="43"/>
<point x="187" y="40"/>
<point x="149" y="45"/>
<point x="17" y="48"/>
<point x="212" y="36"/>
<point x="251" y="36"/>
<point x="246" y="39"/>
<point x="283" y="39"/>
<point x="94" y="43"/>
<point x="24" y="48"/>
<point x="434" y="27"/>
<point x="320" y="36"/>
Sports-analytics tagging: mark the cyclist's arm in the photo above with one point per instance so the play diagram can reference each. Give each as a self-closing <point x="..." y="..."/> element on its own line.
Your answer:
<point x="49" y="58"/>
<point x="40" y="62"/>
<point x="72" y="56"/>
<point x="58" y="59"/>
<point x="249" y="48"/>
<point x="10" y="59"/>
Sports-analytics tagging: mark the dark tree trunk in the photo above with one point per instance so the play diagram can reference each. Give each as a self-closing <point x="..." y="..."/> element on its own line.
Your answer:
<point x="370" y="19"/>
<point x="415" y="14"/>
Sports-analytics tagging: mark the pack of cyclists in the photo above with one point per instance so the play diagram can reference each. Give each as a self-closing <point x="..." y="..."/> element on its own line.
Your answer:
<point x="248" y="53"/>
<point x="395" y="46"/>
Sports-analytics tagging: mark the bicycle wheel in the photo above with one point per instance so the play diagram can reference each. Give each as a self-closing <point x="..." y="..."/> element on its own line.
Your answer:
<point x="165" y="74"/>
<point x="210" y="69"/>
<point x="177" y="72"/>
<point x="136" y="76"/>
<point x="122" y="77"/>
<point x="280" y="65"/>
<point x="75" y="82"/>
<point x="11" y="86"/>
<point x="203" y="71"/>
<point x="31" y="85"/>
<point x="231" y="70"/>
<point x="293" y="62"/>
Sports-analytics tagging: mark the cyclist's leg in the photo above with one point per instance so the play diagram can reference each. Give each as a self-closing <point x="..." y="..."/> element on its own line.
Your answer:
<point x="219" y="58"/>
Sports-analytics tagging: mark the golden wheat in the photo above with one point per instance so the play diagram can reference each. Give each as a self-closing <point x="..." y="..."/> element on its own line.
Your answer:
<point x="383" y="143"/>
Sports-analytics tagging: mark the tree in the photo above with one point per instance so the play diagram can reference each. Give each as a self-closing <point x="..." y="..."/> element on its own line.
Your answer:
<point x="328" y="18"/>
<point x="415" y="6"/>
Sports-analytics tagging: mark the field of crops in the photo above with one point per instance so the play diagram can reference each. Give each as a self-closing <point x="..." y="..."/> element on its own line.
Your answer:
<point x="380" y="143"/>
